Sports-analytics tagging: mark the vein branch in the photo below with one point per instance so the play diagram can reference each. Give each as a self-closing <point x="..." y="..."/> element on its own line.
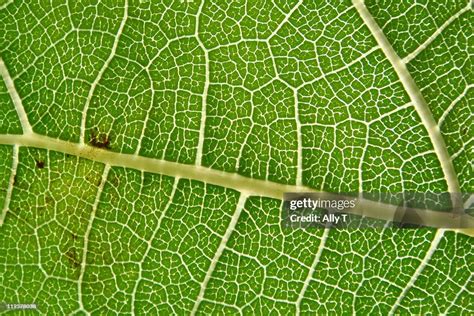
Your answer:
<point x="220" y="250"/>
<point x="416" y="97"/>
<point x="205" y="91"/>
<point x="317" y="257"/>
<point x="20" y="110"/>
<point x="11" y="181"/>
<point x="87" y="233"/>
<point x="453" y="103"/>
<point x="299" y="163"/>
<point x="433" y="246"/>
<point x="433" y="36"/>
<point x="150" y="242"/>
<point x="101" y="73"/>
<point x="6" y="4"/>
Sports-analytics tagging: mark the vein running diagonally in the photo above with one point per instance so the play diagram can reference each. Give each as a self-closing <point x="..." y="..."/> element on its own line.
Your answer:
<point x="149" y="246"/>
<point x="205" y="91"/>
<point x="433" y="36"/>
<point x="416" y="97"/>
<point x="464" y="288"/>
<point x="342" y="68"/>
<point x="321" y="246"/>
<point x="6" y="4"/>
<point x="147" y="116"/>
<point x="451" y="106"/>
<point x="299" y="163"/>
<point x="433" y="246"/>
<point x="287" y="17"/>
<point x="20" y="110"/>
<point x="6" y="203"/>
<point x="105" y="173"/>
<point x="220" y="250"/>
<point x="101" y="72"/>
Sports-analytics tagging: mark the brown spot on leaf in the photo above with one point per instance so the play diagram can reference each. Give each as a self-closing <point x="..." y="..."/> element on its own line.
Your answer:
<point x="72" y="258"/>
<point x="99" y="140"/>
<point x="49" y="200"/>
<point x="39" y="164"/>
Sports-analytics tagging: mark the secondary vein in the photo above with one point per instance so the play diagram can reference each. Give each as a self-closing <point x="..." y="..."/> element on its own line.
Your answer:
<point x="416" y="97"/>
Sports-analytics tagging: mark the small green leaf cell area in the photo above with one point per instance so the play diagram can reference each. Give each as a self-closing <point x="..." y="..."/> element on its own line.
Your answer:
<point x="294" y="93"/>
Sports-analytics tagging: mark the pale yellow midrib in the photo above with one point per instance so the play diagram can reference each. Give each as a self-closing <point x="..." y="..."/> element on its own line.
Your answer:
<point x="248" y="186"/>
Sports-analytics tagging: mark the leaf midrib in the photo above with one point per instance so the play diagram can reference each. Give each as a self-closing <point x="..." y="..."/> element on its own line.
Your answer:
<point x="245" y="185"/>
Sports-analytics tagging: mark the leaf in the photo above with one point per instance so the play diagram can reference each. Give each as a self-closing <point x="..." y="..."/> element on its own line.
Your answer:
<point x="146" y="146"/>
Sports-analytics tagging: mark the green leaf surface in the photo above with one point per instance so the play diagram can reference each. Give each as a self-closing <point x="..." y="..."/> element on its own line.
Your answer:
<point x="145" y="148"/>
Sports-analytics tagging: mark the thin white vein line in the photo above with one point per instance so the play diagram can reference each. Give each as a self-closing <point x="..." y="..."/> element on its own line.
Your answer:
<point x="158" y="225"/>
<point x="287" y="17"/>
<point x="250" y="186"/>
<point x="433" y="246"/>
<point x="466" y="146"/>
<point x="416" y="97"/>
<point x="361" y="162"/>
<point x="317" y="257"/>
<point x="433" y="36"/>
<point x="205" y="91"/>
<point x="451" y="106"/>
<point x="391" y="112"/>
<point x="101" y="72"/>
<point x="346" y="66"/>
<point x="235" y="217"/>
<point x="87" y="233"/>
<point x="6" y="203"/>
<point x="461" y="290"/>
<point x="147" y="116"/>
<point x="20" y="110"/>
<point x="299" y="164"/>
